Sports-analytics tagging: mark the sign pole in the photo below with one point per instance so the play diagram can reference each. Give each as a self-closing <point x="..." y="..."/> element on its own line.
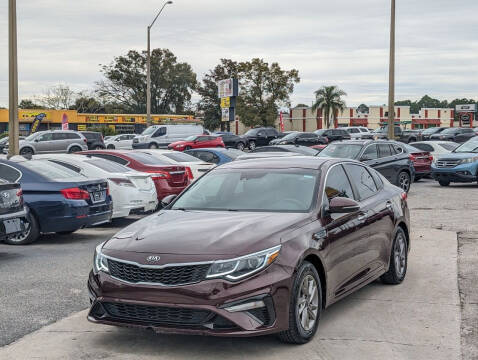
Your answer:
<point x="12" y="80"/>
<point x="391" y="77"/>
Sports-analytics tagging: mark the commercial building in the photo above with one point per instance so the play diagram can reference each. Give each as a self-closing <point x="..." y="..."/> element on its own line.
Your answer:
<point x="54" y="119"/>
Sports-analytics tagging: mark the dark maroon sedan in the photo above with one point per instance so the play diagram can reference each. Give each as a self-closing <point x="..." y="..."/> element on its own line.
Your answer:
<point x="254" y="247"/>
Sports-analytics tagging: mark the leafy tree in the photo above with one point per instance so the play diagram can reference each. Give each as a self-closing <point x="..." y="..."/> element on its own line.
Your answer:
<point x="362" y="108"/>
<point x="172" y="83"/>
<point x="210" y="104"/>
<point x="58" y="97"/>
<point x="301" y="105"/>
<point x="263" y="89"/>
<point x="29" y="104"/>
<point x="329" y="100"/>
<point x="88" y="103"/>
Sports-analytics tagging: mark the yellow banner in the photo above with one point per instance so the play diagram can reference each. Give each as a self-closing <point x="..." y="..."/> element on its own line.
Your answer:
<point x="225" y="102"/>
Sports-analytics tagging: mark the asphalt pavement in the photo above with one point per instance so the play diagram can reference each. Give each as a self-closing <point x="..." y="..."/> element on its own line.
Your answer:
<point x="45" y="282"/>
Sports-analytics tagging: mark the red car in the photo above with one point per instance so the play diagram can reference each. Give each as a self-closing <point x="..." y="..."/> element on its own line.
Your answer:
<point x="422" y="161"/>
<point x="168" y="179"/>
<point x="196" y="142"/>
<point x="319" y="147"/>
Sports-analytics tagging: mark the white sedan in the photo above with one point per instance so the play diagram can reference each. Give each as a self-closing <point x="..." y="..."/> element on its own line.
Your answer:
<point x="197" y="166"/>
<point x="123" y="141"/>
<point x="435" y="148"/>
<point x="130" y="190"/>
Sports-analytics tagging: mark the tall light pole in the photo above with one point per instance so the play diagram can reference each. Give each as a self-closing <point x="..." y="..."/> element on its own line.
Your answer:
<point x="12" y="79"/>
<point x="391" y="77"/>
<point x="148" y="68"/>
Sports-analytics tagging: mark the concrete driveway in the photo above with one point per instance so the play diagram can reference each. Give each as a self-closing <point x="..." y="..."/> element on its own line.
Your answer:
<point x="419" y="319"/>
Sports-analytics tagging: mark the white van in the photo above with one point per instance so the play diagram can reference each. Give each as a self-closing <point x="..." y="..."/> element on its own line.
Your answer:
<point x="160" y="136"/>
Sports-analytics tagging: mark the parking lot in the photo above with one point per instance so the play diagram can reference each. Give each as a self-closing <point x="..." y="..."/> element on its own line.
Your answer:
<point x="433" y="314"/>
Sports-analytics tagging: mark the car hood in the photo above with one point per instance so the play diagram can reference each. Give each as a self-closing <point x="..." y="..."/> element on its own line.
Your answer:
<point x="205" y="232"/>
<point x="457" y="156"/>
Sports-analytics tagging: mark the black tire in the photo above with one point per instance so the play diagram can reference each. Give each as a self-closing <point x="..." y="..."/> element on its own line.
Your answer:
<point x="443" y="182"/>
<point x="395" y="275"/>
<point x="74" y="149"/>
<point x="99" y="147"/>
<point x="418" y="178"/>
<point x="187" y="148"/>
<point x="111" y="147"/>
<point x="26" y="151"/>
<point x="297" y="334"/>
<point x="153" y="146"/>
<point x="403" y="181"/>
<point x="252" y="145"/>
<point x="240" y="146"/>
<point x="29" y="236"/>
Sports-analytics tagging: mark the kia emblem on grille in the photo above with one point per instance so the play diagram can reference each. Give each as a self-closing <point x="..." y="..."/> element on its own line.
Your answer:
<point x="153" y="258"/>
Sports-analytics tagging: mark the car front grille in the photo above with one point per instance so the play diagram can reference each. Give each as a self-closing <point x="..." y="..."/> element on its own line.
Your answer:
<point x="447" y="163"/>
<point x="171" y="275"/>
<point x="157" y="314"/>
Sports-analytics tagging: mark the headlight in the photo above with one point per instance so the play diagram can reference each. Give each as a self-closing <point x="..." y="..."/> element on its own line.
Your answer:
<point x="239" y="268"/>
<point x="100" y="263"/>
<point x="469" y="160"/>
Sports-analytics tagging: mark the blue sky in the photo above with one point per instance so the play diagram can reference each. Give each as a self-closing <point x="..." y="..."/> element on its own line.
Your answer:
<point x="340" y="42"/>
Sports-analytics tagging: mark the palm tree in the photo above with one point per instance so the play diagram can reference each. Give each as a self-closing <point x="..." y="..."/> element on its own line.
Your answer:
<point x="329" y="100"/>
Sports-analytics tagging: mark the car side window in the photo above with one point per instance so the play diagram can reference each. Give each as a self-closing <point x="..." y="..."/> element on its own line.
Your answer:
<point x="9" y="173"/>
<point x="45" y="137"/>
<point x="370" y="152"/>
<point x="261" y="133"/>
<point x="72" y="136"/>
<point x="338" y="184"/>
<point x="271" y="132"/>
<point x="111" y="158"/>
<point x="362" y="180"/>
<point x="384" y="150"/>
<point x="58" y="136"/>
<point x="424" y="147"/>
<point x="377" y="178"/>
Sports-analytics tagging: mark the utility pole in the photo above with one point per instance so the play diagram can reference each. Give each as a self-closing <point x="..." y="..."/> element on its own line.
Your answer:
<point x="12" y="79"/>
<point x="148" y="68"/>
<point x="391" y="77"/>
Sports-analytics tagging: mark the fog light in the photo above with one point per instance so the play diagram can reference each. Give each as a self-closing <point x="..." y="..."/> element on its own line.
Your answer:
<point x="246" y="306"/>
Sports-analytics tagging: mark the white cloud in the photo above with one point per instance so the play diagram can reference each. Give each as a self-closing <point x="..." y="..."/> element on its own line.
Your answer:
<point x="343" y="42"/>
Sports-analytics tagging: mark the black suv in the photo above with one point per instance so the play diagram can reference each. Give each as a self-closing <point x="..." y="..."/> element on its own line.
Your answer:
<point x="261" y="136"/>
<point x="387" y="157"/>
<point x="13" y="214"/>
<point x="382" y="133"/>
<point x="333" y="134"/>
<point x="94" y="140"/>
<point x="408" y="136"/>
<point x="300" y="138"/>
<point x="427" y="133"/>
<point x="453" y="134"/>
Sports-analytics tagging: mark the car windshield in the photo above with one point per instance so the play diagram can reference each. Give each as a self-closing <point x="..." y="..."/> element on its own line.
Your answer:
<point x="108" y="166"/>
<point x="181" y="157"/>
<point x="449" y="131"/>
<point x="252" y="132"/>
<point x="320" y="132"/>
<point x="411" y="149"/>
<point x="264" y="190"/>
<point x="449" y="146"/>
<point x="233" y="153"/>
<point x="346" y="151"/>
<point x="146" y="159"/>
<point x="290" y="136"/>
<point x="191" y="138"/>
<point x="32" y="136"/>
<point x="468" y="147"/>
<point x="149" y="130"/>
<point x="50" y="170"/>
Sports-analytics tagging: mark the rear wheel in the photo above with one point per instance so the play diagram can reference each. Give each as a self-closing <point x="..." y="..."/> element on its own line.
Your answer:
<point x="74" y="149"/>
<point x="99" y="147"/>
<point x="240" y="146"/>
<point x="187" y="148"/>
<point x="404" y="181"/>
<point x="30" y="235"/>
<point x="443" y="182"/>
<point x="398" y="260"/>
<point x="111" y="147"/>
<point x="153" y="146"/>
<point x="305" y="306"/>
<point x="252" y="145"/>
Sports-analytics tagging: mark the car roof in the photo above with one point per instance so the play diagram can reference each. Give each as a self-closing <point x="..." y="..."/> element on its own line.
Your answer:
<point x="283" y="162"/>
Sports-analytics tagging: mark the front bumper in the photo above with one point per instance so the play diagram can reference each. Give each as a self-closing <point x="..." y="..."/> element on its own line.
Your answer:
<point x="464" y="173"/>
<point x="209" y="299"/>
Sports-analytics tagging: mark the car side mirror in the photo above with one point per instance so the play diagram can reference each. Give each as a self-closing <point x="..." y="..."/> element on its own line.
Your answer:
<point x="117" y="139"/>
<point x="365" y="158"/>
<point x="342" y="205"/>
<point x="168" y="200"/>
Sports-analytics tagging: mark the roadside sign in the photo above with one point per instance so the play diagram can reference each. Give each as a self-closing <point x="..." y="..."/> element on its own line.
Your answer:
<point x="227" y="88"/>
<point x="466" y="108"/>
<point x="225" y="102"/>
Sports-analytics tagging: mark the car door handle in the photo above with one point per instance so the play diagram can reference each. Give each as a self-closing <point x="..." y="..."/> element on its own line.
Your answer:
<point x="389" y="205"/>
<point x="362" y="217"/>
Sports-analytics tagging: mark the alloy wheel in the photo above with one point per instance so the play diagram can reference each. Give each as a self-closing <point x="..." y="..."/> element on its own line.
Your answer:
<point x="308" y="303"/>
<point x="21" y="236"/>
<point x="400" y="255"/>
<point x="404" y="181"/>
<point x="252" y="145"/>
<point x="240" y="146"/>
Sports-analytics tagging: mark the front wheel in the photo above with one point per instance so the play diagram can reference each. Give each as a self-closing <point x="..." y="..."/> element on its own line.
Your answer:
<point x="240" y="146"/>
<point x="153" y="146"/>
<point x="111" y="147"/>
<point x="305" y="306"/>
<point x="404" y="181"/>
<point x="398" y="260"/>
<point x="26" y="151"/>
<point x="443" y="182"/>
<point x="74" y="149"/>
<point x="252" y="145"/>
<point x="99" y="147"/>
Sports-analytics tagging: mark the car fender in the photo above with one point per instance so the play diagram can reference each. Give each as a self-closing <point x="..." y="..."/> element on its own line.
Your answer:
<point x="76" y="144"/>
<point x="28" y="146"/>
